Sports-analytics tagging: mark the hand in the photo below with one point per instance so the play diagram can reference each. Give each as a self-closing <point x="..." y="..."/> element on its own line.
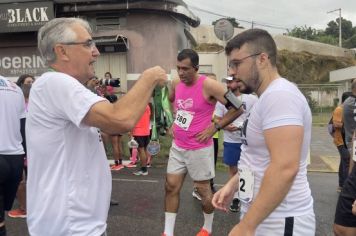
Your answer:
<point x="206" y="134"/>
<point x="354" y="208"/>
<point x="222" y="198"/>
<point x="231" y="128"/>
<point x="241" y="229"/>
<point x="157" y="74"/>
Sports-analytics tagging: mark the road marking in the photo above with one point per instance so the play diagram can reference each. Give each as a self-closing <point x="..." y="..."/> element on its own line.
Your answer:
<point x="136" y="180"/>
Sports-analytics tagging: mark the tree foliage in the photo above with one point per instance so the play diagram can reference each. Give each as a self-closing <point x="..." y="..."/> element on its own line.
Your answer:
<point x="330" y="34"/>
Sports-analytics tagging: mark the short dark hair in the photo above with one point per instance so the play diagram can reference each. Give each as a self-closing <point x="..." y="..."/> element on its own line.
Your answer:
<point x="191" y="54"/>
<point x="345" y="95"/>
<point x="22" y="78"/>
<point x="108" y="73"/>
<point x="258" y="41"/>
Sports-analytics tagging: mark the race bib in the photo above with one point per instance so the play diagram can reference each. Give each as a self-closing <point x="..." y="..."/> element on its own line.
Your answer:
<point x="245" y="192"/>
<point x="183" y="119"/>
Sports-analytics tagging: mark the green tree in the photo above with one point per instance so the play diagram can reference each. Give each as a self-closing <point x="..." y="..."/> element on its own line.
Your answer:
<point x="350" y="42"/>
<point x="303" y="32"/>
<point x="346" y="28"/>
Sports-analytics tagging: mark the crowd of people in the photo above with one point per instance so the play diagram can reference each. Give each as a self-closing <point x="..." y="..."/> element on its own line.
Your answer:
<point x="70" y="118"/>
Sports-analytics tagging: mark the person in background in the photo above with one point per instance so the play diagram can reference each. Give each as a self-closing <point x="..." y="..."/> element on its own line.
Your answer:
<point x="345" y="218"/>
<point x="233" y="132"/>
<point x="24" y="82"/>
<point x="195" y="192"/>
<point x="141" y="134"/>
<point x="194" y="97"/>
<point x="12" y="145"/>
<point x="115" y="140"/>
<point x="69" y="180"/>
<point x="339" y="141"/>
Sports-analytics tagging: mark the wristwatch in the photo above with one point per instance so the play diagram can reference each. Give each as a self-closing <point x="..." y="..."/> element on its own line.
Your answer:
<point x="217" y="126"/>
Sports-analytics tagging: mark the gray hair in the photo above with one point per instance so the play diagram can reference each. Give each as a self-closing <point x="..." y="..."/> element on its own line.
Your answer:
<point x="58" y="30"/>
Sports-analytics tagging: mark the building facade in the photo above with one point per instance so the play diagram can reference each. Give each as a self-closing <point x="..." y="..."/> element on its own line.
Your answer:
<point x="131" y="35"/>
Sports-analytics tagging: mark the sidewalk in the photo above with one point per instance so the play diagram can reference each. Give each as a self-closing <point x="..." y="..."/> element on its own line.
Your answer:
<point x="323" y="153"/>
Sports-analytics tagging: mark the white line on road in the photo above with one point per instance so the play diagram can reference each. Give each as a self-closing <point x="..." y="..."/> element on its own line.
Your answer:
<point x="148" y="181"/>
<point x="137" y="180"/>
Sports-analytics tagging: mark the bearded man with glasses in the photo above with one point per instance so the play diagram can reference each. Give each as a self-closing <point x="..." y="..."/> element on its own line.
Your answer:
<point x="272" y="180"/>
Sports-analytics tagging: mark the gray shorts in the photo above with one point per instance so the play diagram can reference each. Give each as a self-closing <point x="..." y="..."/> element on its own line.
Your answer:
<point x="198" y="163"/>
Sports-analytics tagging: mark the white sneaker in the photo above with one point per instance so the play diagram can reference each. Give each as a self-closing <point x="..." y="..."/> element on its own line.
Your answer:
<point x="140" y="172"/>
<point x="195" y="194"/>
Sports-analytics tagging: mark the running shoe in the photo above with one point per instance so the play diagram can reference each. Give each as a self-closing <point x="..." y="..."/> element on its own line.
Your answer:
<point x="140" y="172"/>
<point x="195" y="194"/>
<point x="17" y="213"/>
<point x="131" y="165"/>
<point x="113" y="202"/>
<point x="148" y="165"/>
<point x="235" y="205"/>
<point x="203" y="232"/>
<point x="117" y="167"/>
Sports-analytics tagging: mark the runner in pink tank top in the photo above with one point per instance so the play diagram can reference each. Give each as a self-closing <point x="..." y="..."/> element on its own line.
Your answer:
<point x="194" y="97"/>
<point x="190" y="99"/>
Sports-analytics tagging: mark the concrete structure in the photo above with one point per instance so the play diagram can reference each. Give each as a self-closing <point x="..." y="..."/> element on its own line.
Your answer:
<point x="345" y="75"/>
<point x="216" y="62"/>
<point x="131" y="35"/>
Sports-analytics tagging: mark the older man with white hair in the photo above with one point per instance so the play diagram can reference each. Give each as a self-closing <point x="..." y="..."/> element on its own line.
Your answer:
<point x="69" y="180"/>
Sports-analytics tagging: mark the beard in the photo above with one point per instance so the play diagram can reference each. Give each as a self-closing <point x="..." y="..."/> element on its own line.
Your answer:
<point x="252" y="83"/>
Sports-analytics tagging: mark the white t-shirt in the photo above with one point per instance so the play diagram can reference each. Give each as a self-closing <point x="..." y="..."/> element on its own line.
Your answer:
<point x="281" y="104"/>
<point x="12" y="109"/>
<point x="248" y="100"/>
<point x="69" y="181"/>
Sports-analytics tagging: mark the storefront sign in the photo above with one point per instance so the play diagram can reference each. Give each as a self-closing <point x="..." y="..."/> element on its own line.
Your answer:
<point x="24" y="60"/>
<point x="22" y="17"/>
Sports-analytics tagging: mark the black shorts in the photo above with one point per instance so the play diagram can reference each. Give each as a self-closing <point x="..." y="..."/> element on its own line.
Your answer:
<point x="11" y="167"/>
<point x="142" y="140"/>
<point x="343" y="213"/>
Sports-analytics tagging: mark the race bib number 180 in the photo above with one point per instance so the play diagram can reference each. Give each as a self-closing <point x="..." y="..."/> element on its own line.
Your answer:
<point x="183" y="119"/>
<point x="246" y="184"/>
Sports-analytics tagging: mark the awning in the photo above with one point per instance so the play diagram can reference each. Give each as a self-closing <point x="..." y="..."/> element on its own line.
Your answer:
<point x="119" y="42"/>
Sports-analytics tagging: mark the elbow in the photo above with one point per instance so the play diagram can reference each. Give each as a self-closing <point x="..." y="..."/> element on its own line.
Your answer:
<point x="121" y="125"/>
<point x="291" y="172"/>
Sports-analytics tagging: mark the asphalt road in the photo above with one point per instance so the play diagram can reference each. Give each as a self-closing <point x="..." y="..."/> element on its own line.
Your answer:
<point x="141" y="198"/>
<point x="140" y="210"/>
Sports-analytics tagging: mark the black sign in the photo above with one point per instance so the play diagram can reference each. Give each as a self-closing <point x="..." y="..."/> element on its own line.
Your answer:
<point x="23" y="17"/>
<point x="22" y="60"/>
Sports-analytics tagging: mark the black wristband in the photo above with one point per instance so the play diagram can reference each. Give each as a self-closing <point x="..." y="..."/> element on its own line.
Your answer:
<point x="217" y="126"/>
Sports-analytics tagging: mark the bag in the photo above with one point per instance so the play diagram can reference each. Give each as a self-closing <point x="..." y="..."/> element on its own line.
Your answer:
<point x="331" y="128"/>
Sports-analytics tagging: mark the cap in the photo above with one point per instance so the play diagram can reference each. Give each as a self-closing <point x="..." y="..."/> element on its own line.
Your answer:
<point x="229" y="78"/>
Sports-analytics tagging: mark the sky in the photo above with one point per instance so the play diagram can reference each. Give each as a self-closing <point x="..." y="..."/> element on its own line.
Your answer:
<point x="278" y="13"/>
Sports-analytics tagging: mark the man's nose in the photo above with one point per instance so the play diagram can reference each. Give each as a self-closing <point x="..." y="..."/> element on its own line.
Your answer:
<point x="96" y="52"/>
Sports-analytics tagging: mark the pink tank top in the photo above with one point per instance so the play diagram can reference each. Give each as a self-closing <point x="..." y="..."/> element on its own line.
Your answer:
<point x="190" y="99"/>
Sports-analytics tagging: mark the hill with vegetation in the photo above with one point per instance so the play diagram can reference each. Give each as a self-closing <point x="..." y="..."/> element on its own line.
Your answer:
<point x="308" y="68"/>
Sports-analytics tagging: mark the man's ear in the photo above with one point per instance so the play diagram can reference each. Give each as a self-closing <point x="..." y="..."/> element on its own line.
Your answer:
<point x="61" y="53"/>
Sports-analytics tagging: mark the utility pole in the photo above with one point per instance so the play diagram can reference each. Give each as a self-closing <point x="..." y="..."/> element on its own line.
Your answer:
<point x="340" y="38"/>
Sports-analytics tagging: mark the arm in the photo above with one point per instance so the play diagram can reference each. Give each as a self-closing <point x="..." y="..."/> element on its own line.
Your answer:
<point x="337" y="118"/>
<point x="215" y="91"/>
<point x="172" y="89"/>
<point x="284" y="144"/>
<point x="122" y="116"/>
<point x="23" y="133"/>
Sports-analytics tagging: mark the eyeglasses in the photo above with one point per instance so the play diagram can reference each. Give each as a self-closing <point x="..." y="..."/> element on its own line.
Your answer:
<point x="89" y="43"/>
<point x="234" y="64"/>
